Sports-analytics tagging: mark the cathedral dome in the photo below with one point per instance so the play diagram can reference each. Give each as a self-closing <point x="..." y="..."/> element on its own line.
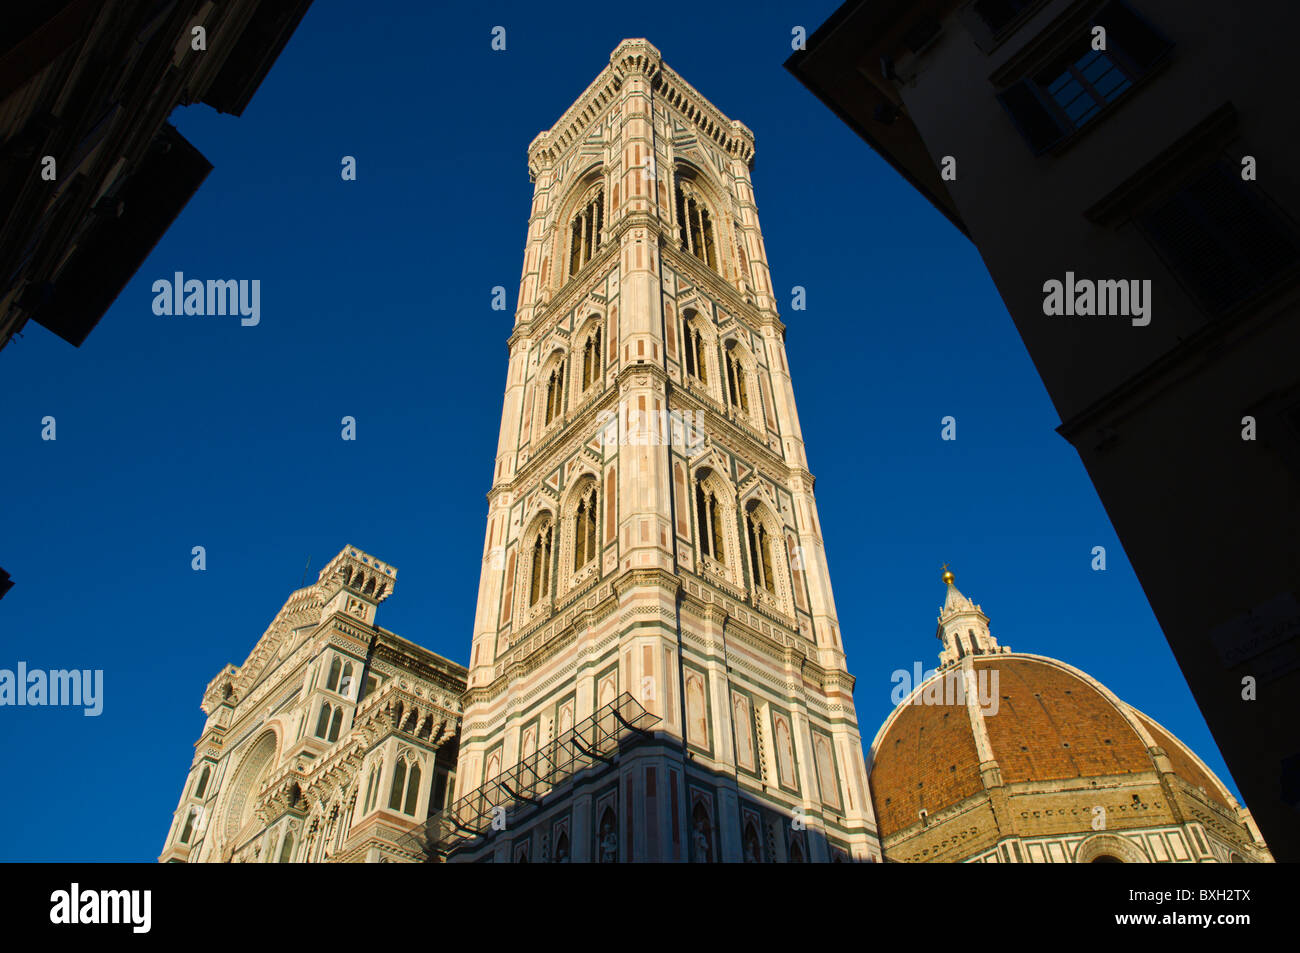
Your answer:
<point x="1033" y="721"/>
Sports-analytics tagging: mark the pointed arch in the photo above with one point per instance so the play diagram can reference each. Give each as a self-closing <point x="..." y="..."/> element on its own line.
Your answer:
<point x="751" y="845"/>
<point x="699" y="349"/>
<point x="701" y="834"/>
<point x="256" y="764"/>
<point x="767" y="553"/>
<point x="588" y="344"/>
<point x="714" y="514"/>
<point x="583" y="218"/>
<point x="581" y="524"/>
<point x="552" y="388"/>
<point x="697" y="217"/>
<point x="201" y="786"/>
<point x="323" y="722"/>
<point x="537" y="564"/>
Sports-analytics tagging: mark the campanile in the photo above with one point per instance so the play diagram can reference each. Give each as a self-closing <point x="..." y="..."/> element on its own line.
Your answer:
<point x="657" y="671"/>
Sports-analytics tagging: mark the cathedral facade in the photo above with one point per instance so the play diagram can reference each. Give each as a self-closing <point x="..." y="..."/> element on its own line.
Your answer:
<point x="331" y="742"/>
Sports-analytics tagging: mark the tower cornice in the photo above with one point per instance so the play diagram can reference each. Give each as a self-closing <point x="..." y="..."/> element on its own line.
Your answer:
<point x="638" y="57"/>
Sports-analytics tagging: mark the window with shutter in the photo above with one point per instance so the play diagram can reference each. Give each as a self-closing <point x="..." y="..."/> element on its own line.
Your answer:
<point x="1222" y="239"/>
<point x="1060" y="98"/>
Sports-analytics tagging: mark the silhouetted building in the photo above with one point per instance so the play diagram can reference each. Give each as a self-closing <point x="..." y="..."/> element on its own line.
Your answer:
<point x="91" y="173"/>
<point x="1128" y="173"/>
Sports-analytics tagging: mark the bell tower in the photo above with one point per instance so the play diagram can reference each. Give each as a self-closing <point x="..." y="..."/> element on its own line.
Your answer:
<point x="652" y="537"/>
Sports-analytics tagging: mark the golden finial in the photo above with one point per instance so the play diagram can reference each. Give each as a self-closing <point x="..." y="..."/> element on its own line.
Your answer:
<point x="947" y="576"/>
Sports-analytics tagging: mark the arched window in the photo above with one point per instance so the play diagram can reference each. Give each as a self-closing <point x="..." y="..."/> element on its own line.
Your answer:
<point x="345" y="683"/>
<point x="736" y="380"/>
<point x="584" y="529"/>
<point x="372" y="790"/>
<point x="202" y="786"/>
<point x="188" y="830"/>
<point x="974" y="645"/>
<point x="286" y="849"/>
<point x="709" y="517"/>
<point x="406" y="787"/>
<point x="695" y="226"/>
<point x="399" y="782"/>
<point x="751" y="850"/>
<point x="694" y="353"/>
<point x="760" y="550"/>
<point x="412" y="790"/>
<point x="336" y="724"/>
<point x="591" y="360"/>
<point x="332" y="680"/>
<point x="607" y="838"/>
<point x="562" y="848"/>
<point x="541" y="564"/>
<point x="555" y="392"/>
<point x="702" y="834"/>
<point x="584" y="232"/>
<point x="323" y="722"/>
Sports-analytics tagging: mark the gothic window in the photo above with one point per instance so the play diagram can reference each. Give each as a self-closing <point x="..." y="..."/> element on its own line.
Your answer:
<point x="398" y="792"/>
<point x="709" y="516"/>
<point x="584" y="232"/>
<point x="336" y="724"/>
<point x="591" y="360"/>
<point x="555" y="392"/>
<point x="202" y="786"/>
<point x="694" y="352"/>
<point x="760" y="550"/>
<point x="695" y="226"/>
<point x="323" y="722"/>
<point x="607" y="838"/>
<point x="562" y="849"/>
<point x="345" y="683"/>
<point x="751" y="846"/>
<point x="974" y="646"/>
<point x="438" y="791"/>
<point x="702" y="834"/>
<point x="584" y="528"/>
<point x="540" y="577"/>
<point x="332" y="681"/>
<point x="372" y="790"/>
<point x="188" y="830"/>
<point x="736" y="388"/>
<point x="286" y="849"/>
<point x="372" y="682"/>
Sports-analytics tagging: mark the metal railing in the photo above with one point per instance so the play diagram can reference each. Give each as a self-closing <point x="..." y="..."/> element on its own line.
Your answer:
<point x="501" y="801"/>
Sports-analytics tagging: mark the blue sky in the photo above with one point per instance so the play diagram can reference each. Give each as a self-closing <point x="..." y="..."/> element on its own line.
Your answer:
<point x="182" y="431"/>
